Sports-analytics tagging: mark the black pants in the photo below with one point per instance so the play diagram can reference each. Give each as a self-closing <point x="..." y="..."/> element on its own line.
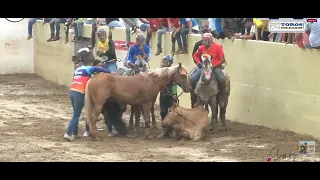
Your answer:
<point x="166" y="101"/>
<point x="93" y="34"/>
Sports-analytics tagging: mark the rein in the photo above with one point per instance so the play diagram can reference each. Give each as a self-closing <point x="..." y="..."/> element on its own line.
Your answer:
<point x="173" y="96"/>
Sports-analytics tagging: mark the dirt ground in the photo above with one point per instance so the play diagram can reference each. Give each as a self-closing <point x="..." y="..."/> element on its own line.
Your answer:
<point x="34" y="114"/>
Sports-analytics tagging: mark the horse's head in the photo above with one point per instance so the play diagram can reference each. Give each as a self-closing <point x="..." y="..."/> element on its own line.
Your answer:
<point x="83" y="55"/>
<point x="181" y="78"/>
<point x="207" y="68"/>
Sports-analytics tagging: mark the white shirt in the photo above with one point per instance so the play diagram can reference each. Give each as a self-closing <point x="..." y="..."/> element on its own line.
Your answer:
<point x="314" y="37"/>
<point x="212" y="26"/>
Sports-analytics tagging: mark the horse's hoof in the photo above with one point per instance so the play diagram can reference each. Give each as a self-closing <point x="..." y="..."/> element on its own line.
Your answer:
<point x="154" y="127"/>
<point x="223" y="129"/>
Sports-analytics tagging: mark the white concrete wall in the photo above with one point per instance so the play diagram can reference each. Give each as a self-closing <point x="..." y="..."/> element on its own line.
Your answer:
<point x="16" y="52"/>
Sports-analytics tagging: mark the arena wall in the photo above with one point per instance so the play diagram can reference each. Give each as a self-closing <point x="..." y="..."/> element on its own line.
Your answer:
<point x="273" y="85"/>
<point x="16" y="52"/>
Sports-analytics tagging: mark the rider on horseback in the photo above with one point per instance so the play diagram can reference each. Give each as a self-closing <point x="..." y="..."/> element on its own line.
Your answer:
<point x="106" y="50"/>
<point x="217" y="59"/>
<point x="168" y="95"/>
<point x="138" y="51"/>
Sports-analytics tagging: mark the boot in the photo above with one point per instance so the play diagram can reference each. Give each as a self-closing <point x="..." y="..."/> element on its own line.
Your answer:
<point x="51" y="37"/>
<point x="173" y="50"/>
<point x="29" y="36"/>
<point x="56" y="38"/>
<point x="180" y="49"/>
<point x="222" y="94"/>
<point x="159" y="50"/>
<point x="184" y="50"/>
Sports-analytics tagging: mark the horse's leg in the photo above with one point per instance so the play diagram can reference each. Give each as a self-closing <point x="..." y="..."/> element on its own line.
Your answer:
<point x="131" y="117"/>
<point x="207" y="107"/>
<point x="223" y="114"/>
<point x="146" y="115"/>
<point x="154" y="123"/>
<point x="214" y="119"/>
<point x="193" y="98"/>
<point x="95" y="114"/>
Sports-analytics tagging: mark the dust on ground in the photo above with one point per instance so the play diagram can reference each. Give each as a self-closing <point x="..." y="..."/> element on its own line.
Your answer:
<point x="34" y="114"/>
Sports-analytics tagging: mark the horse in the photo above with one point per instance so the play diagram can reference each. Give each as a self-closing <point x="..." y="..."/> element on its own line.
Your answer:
<point x="207" y="93"/>
<point x="131" y="90"/>
<point x="140" y="67"/>
<point x="111" y="111"/>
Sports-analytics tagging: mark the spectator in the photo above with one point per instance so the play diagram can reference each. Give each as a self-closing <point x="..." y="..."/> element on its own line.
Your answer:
<point x="94" y="27"/>
<point x="68" y="24"/>
<point x="187" y="27"/>
<point x="112" y="23"/>
<point x="134" y="23"/>
<point x="32" y="21"/>
<point x="248" y="34"/>
<point x="174" y="25"/>
<point x="230" y="27"/>
<point x="165" y="25"/>
<point x="129" y="22"/>
<point x="262" y="32"/>
<point x="151" y="25"/>
<point x="306" y="41"/>
<point x="55" y="22"/>
<point x="219" y="30"/>
<point x="212" y="27"/>
<point x="241" y="25"/>
<point x="314" y="36"/>
<point x="139" y="49"/>
<point x="79" y="28"/>
<point x="299" y="40"/>
<point x="106" y="50"/>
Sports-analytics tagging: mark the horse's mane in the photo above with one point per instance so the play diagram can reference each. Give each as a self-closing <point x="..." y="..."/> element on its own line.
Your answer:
<point x="159" y="72"/>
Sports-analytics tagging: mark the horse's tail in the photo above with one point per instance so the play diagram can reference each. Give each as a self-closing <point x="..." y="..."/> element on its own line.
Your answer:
<point x="88" y="106"/>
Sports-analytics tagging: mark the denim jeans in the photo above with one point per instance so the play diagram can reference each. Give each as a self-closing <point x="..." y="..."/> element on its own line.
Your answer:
<point x="79" y="28"/>
<point x="114" y="24"/>
<point x="77" y="101"/>
<point x="195" y="77"/>
<point x="57" y="24"/>
<point x="34" y="20"/>
<point x="111" y="66"/>
<point x="161" y="32"/>
<point x="144" y="27"/>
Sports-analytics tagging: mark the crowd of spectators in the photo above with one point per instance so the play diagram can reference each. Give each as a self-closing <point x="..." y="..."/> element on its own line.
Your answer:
<point x="220" y="28"/>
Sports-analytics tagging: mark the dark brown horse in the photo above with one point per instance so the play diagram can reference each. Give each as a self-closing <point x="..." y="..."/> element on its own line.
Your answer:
<point x="131" y="90"/>
<point x="207" y="93"/>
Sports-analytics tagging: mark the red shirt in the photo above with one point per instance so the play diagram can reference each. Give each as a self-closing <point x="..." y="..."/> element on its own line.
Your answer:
<point x="215" y="53"/>
<point x="175" y="22"/>
<point x="164" y="22"/>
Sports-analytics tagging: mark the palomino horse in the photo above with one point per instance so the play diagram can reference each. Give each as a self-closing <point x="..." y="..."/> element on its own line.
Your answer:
<point x="131" y="90"/>
<point x="207" y="93"/>
<point x="139" y="68"/>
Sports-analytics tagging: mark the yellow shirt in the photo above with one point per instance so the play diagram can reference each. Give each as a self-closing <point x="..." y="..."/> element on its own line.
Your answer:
<point x="259" y="23"/>
<point x="104" y="45"/>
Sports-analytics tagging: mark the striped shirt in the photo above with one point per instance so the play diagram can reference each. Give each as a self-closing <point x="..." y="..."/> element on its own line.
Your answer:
<point x="315" y="33"/>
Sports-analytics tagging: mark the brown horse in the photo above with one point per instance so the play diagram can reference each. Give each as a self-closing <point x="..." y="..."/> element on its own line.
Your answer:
<point x="207" y="93"/>
<point x="132" y="90"/>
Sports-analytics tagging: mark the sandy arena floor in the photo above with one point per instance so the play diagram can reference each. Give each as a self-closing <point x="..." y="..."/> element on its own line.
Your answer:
<point x="34" y="115"/>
